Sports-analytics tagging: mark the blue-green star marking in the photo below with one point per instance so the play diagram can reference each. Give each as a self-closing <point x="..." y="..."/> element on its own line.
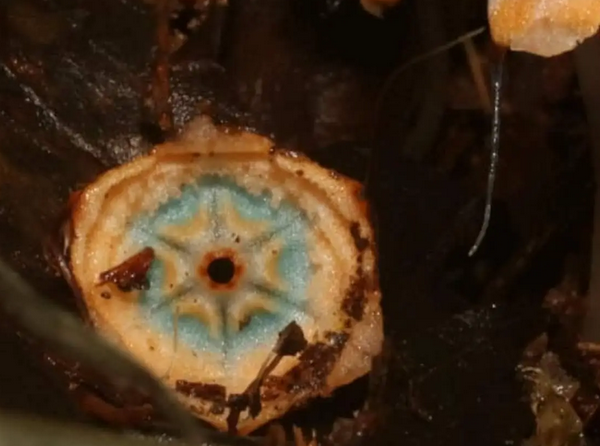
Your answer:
<point x="270" y="244"/>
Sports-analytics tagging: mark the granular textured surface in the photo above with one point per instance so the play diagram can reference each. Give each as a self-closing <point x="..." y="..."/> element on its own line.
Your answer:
<point x="543" y="27"/>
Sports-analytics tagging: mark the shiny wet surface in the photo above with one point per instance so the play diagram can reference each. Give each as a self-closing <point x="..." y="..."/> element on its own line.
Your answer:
<point x="71" y="106"/>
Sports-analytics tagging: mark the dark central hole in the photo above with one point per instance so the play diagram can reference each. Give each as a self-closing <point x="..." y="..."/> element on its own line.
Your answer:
<point x="221" y="270"/>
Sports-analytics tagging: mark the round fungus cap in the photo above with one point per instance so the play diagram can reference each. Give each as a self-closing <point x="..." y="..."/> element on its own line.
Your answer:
<point x="200" y="257"/>
<point x="543" y="27"/>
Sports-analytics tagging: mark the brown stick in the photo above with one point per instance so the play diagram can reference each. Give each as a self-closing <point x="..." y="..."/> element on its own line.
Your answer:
<point x="497" y="74"/>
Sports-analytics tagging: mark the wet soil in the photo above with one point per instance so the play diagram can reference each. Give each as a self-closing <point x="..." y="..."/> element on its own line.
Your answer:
<point x="73" y="75"/>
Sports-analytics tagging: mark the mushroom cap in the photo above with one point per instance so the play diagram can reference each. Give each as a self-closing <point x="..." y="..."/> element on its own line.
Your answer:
<point x="195" y="257"/>
<point x="543" y="27"/>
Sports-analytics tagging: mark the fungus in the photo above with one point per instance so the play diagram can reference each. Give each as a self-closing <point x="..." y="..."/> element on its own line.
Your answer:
<point x="543" y="27"/>
<point x="210" y="247"/>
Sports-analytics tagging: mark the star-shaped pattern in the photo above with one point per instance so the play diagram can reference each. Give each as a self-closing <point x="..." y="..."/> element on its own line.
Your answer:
<point x="255" y="247"/>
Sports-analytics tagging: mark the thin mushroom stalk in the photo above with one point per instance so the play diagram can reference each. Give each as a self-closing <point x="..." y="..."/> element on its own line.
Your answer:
<point x="497" y="75"/>
<point x="548" y="28"/>
<point x="542" y="27"/>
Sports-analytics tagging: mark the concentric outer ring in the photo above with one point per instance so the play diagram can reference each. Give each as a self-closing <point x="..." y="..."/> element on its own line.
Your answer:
<point x="343" y="325"/>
